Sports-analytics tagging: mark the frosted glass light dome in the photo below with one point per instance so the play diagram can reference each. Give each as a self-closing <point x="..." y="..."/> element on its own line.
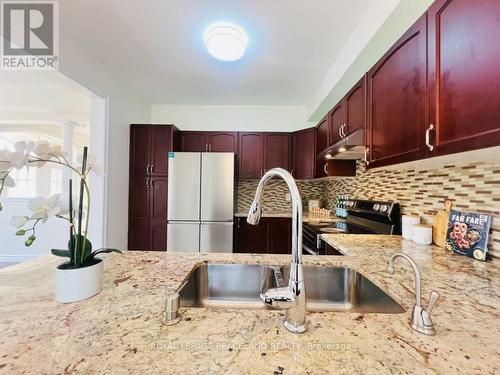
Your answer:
<point x="225" y="41"/>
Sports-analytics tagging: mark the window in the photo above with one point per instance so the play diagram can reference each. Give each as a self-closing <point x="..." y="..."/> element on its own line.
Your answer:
<point x="25" y="183"/>
<point x="55" y="180"/>
<point x="34" y="181"/>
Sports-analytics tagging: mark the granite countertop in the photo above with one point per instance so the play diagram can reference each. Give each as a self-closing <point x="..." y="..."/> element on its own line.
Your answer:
<point x="288" y="214"/>
<point x="119" y="331"/>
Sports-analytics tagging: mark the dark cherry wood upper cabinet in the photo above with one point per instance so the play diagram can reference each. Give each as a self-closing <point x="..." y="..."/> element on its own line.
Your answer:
<point x="149" y="147"/>
<point x="276" y="151"/>
<point x="192" y="141"/>
<point x="464" y="74"/>
<point x="250" y="155"/>
<point x="279" y="236"/>
<point x="140" y="140"/>
<point x="304" y="156"/>
<point x="396" y="100"/>
<point x="355" y="107"/>
<point x="160" y="146"/>
<point x="335" y="122"/>
<point x="321" y="144"/>
<point x="222" y="142"/>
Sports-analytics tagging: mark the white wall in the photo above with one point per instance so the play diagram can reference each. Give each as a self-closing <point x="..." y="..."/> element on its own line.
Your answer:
<point x="231" y="117"/>
<point x="124" y="108"/>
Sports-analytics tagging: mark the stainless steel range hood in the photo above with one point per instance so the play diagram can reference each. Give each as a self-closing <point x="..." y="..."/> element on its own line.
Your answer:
<point x="351" y="147"/>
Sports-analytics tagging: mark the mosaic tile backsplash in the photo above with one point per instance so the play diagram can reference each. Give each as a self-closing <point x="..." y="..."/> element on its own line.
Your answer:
<point x="473" y="187"/>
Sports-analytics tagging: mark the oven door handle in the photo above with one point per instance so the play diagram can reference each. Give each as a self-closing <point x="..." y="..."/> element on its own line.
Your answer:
<point x="310" y="251"/>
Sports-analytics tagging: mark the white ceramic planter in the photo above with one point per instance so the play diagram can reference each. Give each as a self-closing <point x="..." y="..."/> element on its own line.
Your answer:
<point x="76" y="284"/>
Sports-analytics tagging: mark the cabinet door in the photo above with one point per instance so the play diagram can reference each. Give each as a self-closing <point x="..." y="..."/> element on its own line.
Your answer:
<point x="158" y="193"/>
<point x="336" y="120"/>
<point x="279" y="237"/>
<point x="355" y="108"/>
<point x="303" y="154"/>
<point x="464" y="74"/>
<point x="251" y="155"/>
<point x="321" y="145"/>
<point x="396" y="100"/>
<point x="194" y="141"/>
<point x="222" y="141"/>
<point x="160" y="146"/>
<point x="276" y="151"/>
<point x="138" y="212"/>
<point x="140" y="155"/>
<point x="251" y="238"/>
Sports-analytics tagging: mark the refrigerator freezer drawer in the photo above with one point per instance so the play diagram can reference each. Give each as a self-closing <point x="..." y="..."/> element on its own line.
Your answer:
<point x="183" y="237"/>
<point x="184" y="186"/>
<point x="217" y="186"/>
<point x="216" y="237"/>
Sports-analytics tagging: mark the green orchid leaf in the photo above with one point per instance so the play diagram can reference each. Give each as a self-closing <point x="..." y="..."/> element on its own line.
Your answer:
<point x="61" y="253"/>
<point x="104" y="251"/>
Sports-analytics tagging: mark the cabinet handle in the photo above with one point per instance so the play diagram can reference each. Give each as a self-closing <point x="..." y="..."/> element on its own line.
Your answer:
<point x="342" y="130"/>
<point x="210" y="147"/>
<point x="147" y="169"/>
<point x="206" y="148"/>
<point x="325" y="168"/>
<point x="291" y="171"/>
<point x="367" y="150"/>
<point x="238" y="223"/>
<point x="151" y="183"/>
<point x="428" y="137"/>
<point x="151" y="169"/>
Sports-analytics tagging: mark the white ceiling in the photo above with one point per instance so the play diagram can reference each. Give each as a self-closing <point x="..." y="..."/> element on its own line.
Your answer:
<point x="156" y="46"/>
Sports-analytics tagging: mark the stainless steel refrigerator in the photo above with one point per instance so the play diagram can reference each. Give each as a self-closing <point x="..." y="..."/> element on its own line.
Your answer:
<point x="200" y="202"/>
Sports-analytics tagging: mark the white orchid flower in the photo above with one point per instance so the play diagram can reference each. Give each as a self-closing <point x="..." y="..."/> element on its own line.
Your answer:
<point x="44" y="150"/>
<point x="8" y="181"/>
<point x="5" y="164"/>
<point x="91" y="163"/>
<point x="19" y="221"/>
<point x="20" y="157"/>
<point x="45" y="208"/>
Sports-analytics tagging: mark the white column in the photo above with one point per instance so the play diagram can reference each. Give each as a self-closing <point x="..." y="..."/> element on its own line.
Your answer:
<point x="67" y="147"/>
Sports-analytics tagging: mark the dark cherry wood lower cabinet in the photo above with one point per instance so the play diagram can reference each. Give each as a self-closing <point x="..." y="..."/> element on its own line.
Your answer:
<point x="271" y="236"/>
<point x="330" y="250"/>
<point x="279" y="236"/>
<point x="148" y="213"/>
<point x="250" y="238"/>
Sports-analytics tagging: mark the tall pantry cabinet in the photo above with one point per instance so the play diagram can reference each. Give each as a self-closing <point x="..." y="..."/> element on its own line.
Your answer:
<point x="148" y="185"/>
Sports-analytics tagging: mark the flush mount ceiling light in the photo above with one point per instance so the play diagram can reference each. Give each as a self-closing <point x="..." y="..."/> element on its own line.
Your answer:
<point x="225" y="41"/>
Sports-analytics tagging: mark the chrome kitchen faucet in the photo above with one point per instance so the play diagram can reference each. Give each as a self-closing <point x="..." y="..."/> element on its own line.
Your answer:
<point x="420" y="317"/>
<point x="292" y="297"/>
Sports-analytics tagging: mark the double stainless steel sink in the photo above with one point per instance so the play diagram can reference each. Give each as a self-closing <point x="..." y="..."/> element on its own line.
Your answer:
<point x="327" y="288"/>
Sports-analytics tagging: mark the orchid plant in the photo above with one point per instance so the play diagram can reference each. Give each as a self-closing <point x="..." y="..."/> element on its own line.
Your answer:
<point x="37" y="154"/>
